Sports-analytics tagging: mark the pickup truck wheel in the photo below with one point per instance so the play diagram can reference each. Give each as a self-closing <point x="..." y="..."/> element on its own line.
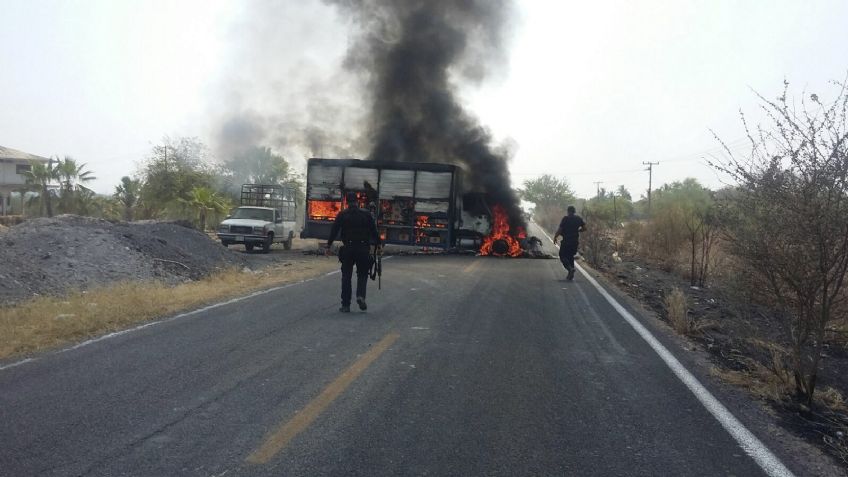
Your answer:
<point x="225" y="244"/>
<point x="248" y="247"/>
<point x="288" y="243"/>
<point x="266" y="246"/>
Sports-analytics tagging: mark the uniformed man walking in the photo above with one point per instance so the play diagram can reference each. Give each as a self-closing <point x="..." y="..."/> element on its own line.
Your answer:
<point x="569" y="229"/>
<point x="358" y="232"/>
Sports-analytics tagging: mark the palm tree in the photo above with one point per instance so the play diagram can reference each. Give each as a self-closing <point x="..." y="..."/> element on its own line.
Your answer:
<point x="205" y="200"/>
<point x="127" y="193"/>
<point x="41" y="175"/>
<point x="72" y="176"/>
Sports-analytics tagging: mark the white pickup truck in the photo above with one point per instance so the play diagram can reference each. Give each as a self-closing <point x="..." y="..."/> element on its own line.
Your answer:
<point x="266" y="216"/>
<point x="254" y="226"/>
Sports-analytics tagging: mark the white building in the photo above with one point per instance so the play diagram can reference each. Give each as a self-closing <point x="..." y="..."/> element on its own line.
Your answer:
<point x="13" y="165"/>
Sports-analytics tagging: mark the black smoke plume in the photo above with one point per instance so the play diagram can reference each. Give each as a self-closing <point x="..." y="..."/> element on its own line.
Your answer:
<point x="413" y="55"/>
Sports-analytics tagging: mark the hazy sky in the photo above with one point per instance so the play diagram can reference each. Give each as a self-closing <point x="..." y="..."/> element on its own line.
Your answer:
<point x="591" y="89"/>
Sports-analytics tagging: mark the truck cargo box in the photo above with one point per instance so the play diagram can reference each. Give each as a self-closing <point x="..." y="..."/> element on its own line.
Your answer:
<point x="412" y="203"/>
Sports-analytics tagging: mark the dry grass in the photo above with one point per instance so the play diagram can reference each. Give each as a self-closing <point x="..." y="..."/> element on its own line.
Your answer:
<point x="772" y="381"/>
<point x="758" y="380"/>
<point x="47" y="322"/>
<point x="677" y="309"/>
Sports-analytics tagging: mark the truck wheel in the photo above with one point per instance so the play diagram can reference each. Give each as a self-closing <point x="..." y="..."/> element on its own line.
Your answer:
<point x="266" y="246"/>
<point x="225" y="244"/>
<point x="288" y="243"/>
<point x="248" y="247"/>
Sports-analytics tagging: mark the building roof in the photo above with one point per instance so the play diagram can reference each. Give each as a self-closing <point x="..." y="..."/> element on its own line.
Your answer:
<point x="13" y="154"/>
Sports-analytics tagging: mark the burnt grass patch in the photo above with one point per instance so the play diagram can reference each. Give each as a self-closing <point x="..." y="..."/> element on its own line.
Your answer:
<point x="741" y="337"/>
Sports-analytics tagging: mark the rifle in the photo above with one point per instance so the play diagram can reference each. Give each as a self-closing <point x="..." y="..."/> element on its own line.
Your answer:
<point x="376" y="271"/>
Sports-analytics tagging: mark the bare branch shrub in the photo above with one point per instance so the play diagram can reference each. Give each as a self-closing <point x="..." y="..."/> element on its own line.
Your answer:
<point x="788" y="219"/>
<point x="677" y="310"/>
<point x="597" y="240"/>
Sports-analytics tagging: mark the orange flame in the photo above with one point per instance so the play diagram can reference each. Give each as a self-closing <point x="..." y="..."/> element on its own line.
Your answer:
<point x="421" y="222"/>
<point x="500" y="232"/>
<point x="324" y="209"/>
<point x="522" y="234"/>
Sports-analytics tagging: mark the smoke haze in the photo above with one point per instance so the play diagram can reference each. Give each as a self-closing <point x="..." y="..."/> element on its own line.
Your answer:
<point x="388" y="91"/>
<point x="285" y="87"/>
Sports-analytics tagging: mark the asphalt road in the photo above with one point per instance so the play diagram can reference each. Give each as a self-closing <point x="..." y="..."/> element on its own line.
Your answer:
<point x="461" y="366"/>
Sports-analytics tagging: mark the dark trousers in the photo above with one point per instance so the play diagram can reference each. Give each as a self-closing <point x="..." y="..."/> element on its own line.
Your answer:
<point x="350" y="255"/>
<point x="567" y="251"/>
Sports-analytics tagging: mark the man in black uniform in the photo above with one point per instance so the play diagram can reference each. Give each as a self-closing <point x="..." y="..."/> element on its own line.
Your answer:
<point x="569" y="228"/>
<point x="358" y="231"/>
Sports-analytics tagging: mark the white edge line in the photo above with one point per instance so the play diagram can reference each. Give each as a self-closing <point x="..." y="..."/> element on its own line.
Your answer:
<point x="165" y="320"/>
<point x="17" y="363"/>
<point x="746" y="439"/>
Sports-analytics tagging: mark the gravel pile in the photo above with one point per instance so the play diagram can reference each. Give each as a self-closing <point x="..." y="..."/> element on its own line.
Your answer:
<point x="49" y="256"/>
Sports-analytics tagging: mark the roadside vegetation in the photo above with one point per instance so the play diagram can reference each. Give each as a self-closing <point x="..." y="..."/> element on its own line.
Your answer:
<point x="50" y="322"/>
<point x="179" y="179"/>
<point x="754" y="272"/>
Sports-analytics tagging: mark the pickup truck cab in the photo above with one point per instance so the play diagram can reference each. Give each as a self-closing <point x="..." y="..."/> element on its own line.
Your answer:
<point x="266" y="215"/>
<point x="257" y="226"/>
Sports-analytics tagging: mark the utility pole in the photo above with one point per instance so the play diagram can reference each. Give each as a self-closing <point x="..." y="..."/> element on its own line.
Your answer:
<point x="614" y="210"/>
<point x="598" y="187"/>
<point x="650" y="170"/>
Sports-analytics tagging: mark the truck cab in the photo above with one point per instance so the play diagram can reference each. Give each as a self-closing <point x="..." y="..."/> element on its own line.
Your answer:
<point x="266" y="216"/>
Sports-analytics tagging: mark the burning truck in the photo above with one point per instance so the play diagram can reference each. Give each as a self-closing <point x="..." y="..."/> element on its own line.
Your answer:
<point x="414" y="204"/>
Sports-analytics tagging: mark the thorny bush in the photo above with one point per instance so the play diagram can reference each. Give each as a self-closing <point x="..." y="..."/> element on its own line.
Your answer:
<point x="788" y="219"/>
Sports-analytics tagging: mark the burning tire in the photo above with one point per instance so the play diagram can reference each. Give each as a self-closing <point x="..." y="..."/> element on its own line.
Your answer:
<point x="500" y="248"/>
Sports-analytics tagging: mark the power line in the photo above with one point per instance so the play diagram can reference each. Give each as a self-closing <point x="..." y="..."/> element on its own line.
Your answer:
<point x="733" y="145"/>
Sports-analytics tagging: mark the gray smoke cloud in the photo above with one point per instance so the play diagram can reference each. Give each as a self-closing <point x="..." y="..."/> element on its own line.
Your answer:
<point x="284" y="85"/>
<point x="413" y="56"/>
<point x="367" y="78"/>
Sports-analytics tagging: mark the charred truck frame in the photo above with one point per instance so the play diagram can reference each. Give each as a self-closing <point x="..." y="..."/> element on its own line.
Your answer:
<point x="416" y="204"/>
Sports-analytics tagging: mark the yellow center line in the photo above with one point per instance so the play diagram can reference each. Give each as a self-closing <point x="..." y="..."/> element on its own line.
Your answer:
<point x="474" y="265"/>
<point x="281" y="437"/>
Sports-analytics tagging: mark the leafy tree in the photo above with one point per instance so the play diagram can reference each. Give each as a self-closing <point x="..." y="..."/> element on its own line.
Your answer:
<point x="173" y="169"/>
<point x="127" y="193"/>
<point x="41" y="176"/>
<point x="72" y="175"/>
<point x="683" y="212"/>
<point x="551" y="196"/>
<point x="91" y="204"/>
<point x="610" y="207"/>
<point x="205" y="200"/>
<point x="624" y="193"/>
<point x="256" y="165"/>
<point x="260" y="165"/>
<point x="547" y="189"/>
<point x="788" y="218"/>
<point x="296" y="182"/>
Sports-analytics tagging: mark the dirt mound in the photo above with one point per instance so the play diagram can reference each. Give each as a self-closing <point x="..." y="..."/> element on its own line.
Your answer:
<point x="50" y="256"/>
